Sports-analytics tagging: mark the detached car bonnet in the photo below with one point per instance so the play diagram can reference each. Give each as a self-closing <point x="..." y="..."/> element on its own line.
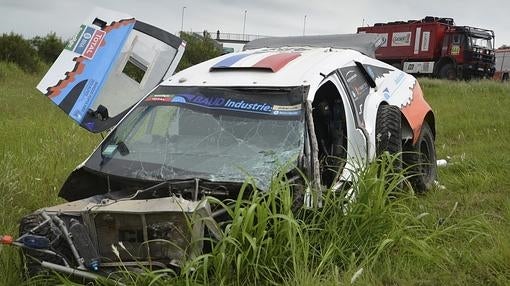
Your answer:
<point x="109" y="65"/>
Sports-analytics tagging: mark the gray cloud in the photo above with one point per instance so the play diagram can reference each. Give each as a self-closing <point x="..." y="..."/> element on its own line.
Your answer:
<point x="264" y="17"/>
<point x="13" y="5"/>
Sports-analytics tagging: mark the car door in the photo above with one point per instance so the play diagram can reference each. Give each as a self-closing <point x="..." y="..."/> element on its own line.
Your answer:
<point x="108" y="66"/>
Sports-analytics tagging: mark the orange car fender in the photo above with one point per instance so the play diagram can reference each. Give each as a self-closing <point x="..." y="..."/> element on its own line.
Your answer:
<point x="416" y="111"/>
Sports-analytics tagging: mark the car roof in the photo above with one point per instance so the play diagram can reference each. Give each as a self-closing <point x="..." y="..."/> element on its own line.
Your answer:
<point x="267" y="67"/>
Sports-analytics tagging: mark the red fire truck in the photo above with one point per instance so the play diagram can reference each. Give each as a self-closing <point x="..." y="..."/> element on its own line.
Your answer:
<point x="435" y="46"/>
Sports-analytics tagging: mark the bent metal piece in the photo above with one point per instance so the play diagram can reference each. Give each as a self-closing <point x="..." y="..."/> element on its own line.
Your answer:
<point x="72" y="271"/>
<point x="315" y="146"/>
<point x="66" y="234"/>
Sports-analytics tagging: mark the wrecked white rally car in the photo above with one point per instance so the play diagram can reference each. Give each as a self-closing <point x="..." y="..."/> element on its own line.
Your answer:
<point x="321" y="104"/>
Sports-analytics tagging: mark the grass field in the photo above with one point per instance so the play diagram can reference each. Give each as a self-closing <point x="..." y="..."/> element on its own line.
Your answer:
<point x="464" y="238"/>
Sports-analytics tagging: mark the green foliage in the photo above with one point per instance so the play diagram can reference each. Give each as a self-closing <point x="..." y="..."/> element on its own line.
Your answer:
<point x="29" y="54"/>
<point x="39" y="146"/>
<point x="199" y="48"/>
<point x="15" y="49"/>
<point x="48" y="47"/>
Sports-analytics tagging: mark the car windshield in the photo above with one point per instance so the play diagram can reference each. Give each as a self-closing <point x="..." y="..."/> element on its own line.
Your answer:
<point x="481" y="43"/>
<point x="217" y="134"/>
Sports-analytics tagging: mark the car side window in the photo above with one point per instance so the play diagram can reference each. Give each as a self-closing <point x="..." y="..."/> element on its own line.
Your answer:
<point x="456" y="39"/>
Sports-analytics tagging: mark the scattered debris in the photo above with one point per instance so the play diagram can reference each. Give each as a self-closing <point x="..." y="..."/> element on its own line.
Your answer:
<point x="356" y="275"/>
<point x="439" y="186"/>
<point x="441" y="163"/>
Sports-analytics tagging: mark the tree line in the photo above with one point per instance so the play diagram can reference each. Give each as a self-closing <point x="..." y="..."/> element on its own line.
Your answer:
<point x="37" y="53"/>
<point x="31" y="55"/>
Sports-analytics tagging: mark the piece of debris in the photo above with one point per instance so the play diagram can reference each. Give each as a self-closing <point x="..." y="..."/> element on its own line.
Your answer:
<point x="439" y="186"/>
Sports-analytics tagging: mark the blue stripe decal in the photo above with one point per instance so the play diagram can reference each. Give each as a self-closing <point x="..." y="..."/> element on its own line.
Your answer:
<point x="225" y="63"/>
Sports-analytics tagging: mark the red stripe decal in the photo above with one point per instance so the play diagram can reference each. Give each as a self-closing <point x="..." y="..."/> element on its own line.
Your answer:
<point x="276" y="62"/>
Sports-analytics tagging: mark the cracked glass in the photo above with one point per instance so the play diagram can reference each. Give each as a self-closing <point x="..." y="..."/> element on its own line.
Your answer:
<point x="217" y="134"/>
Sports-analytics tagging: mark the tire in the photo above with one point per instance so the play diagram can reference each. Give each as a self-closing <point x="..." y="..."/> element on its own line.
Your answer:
<point x="420" y="161"/>
<point x="298" y="196"/>
<point x="448" y="71"/>
<point x="388" y="131"/>
<point x="30" y="258"/>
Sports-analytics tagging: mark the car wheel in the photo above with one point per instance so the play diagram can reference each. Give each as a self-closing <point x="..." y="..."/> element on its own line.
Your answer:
<point x="388" y="131"/>
<point x="298" y="196"/>
<point x="420" y="161"/>
<point x="30" y="258"/>
<point x="447" y="71"/>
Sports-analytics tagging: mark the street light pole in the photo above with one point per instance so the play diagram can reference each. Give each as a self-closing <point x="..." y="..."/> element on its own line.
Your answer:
<point x="304" y="25"/>
<point x="182" y="18"/>
<point x="244" y="24"/>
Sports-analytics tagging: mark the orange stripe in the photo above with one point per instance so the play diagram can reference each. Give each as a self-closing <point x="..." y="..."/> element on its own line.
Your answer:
<point x="416" y="111"/>
<point x="70" y="77"/>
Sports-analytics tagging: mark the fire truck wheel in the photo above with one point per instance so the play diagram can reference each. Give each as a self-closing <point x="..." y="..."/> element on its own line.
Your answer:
<point x="30" y="259"/>
<point x="420" y="161"/>
<point x="388" y="132"/>
<point x="447" y="71"/>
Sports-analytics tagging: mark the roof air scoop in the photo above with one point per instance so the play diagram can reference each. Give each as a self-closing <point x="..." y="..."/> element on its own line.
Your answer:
<point x="256" y="61"/>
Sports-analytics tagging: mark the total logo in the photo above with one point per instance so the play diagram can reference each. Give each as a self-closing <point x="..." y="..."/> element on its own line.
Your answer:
<point x="95" y="41"/>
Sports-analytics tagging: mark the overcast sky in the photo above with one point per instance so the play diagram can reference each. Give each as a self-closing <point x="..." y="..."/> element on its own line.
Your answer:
<point x="263" y="17"/>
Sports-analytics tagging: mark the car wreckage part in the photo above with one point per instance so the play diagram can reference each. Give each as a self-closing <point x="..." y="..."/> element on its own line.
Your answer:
<point x="6" y="239"/>
<point x="159" y="232"/>
<point x="35" y="225"/>
<point x="309" y="199"/>
<point x="67" y="236"/>
<point x="38" y="245"/>
<point x="70" y="271"/>
<point x="84" y="245"/>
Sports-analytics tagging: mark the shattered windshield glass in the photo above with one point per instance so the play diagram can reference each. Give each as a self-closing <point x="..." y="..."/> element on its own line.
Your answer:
<point x="217" y="134"/>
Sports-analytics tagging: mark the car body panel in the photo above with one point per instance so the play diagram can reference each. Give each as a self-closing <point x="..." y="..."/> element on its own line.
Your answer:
<point x="110" y="64"/>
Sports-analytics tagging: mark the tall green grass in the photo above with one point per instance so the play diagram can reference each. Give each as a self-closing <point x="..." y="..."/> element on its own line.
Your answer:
<point x="459" y="235"/>
<point x="472" y="124"/>
<point x="265" y="242"/>
<point x="39" y="147"/>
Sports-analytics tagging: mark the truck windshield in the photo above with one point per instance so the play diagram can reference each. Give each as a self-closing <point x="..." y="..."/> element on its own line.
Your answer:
<point x="218" y="134"/>
<point x="481" y="43"/>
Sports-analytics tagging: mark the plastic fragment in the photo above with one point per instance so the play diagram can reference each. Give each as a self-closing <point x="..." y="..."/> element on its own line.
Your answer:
<point x="6" y="239"/>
